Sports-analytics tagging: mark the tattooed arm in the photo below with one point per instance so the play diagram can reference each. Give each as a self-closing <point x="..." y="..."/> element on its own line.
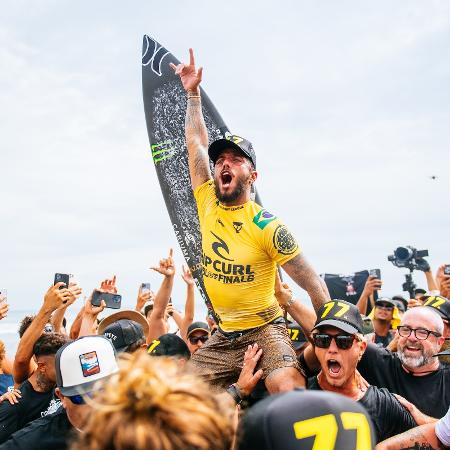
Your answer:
<point x="420" y="438"/>
<point x="304" y="275"/>
<point x="195" y="127"/>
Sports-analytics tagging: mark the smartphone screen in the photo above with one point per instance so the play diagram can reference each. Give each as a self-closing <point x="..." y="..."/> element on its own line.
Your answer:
<point x="112" y="300"/>
<point x="375" y="273"/>
<point x="447" y="269"/>
<point x="145" y="288"/>
<point x="62" y="277"/>
<point x="3" y="295"/>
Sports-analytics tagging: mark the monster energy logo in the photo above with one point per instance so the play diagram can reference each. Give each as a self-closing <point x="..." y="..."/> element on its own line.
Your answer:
<point x="162" y="151"/>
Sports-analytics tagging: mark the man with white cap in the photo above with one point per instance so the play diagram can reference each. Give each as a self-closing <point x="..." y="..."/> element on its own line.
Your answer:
<point x="81" y="366"/>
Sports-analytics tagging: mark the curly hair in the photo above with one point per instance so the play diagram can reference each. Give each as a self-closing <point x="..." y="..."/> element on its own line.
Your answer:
<point x="151" y="404"/>
<point x="24" y="324"/>
<point x="49" y="344"/>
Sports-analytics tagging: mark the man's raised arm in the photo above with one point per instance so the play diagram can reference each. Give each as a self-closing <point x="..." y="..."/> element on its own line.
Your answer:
<point x="304" y="275"/>
<point x="195" y="128"/>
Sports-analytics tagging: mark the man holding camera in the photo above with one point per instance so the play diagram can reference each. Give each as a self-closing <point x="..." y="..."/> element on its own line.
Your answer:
<point x="242" y="243"/>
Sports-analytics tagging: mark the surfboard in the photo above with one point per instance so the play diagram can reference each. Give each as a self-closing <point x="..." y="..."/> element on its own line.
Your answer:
<point x="165" y="110"/>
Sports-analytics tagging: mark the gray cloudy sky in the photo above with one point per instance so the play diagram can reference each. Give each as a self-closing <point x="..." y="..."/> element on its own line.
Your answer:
<point x="347" y="104"/>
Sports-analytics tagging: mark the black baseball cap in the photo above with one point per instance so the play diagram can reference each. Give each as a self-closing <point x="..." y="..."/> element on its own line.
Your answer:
<point x="297" y="335"/>
<point x="383" y="300"/>
<point x="124" y="332"/>
<point x="292" y="420"/>
<point x="340" y="314"/>
<point x="419" y="291"/>
<point x="197" y="326"/>
<point x="439" y="303"/>
<point x="169" y="345"/>
<point x="232" y="141"/>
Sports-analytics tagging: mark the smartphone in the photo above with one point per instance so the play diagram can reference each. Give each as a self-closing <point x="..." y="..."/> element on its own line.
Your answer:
<point x="112" y="300"/>
<point x="3" y="295"/>
<point x="145" y="288"/>
<point x="62" y="277"/>
<point x="447" y="269"/>
<point x="375" y="273"/>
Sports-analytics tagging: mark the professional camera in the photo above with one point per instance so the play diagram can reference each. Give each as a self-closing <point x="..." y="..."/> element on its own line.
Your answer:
<point x="407" y="257"/>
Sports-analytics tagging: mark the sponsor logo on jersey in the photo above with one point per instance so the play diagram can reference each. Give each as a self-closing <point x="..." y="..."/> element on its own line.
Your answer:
<point x="263" y="218"/>
<point x="220" y="246"/>
<point x="237" y="226"/>
<point x="283" y="240"/>
<point x="153" y="54"/>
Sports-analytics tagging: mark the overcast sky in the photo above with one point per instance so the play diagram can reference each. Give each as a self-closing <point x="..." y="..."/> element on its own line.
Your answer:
<point x="346" y="103"/>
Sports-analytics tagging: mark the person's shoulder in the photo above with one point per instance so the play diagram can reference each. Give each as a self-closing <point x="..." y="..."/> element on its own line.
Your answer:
<point x="260" y="217"/>
<point x="58" y="420"/>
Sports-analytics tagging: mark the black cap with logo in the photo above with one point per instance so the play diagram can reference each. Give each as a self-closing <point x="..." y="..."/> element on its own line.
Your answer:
<point x="237" y="142"/>
<point x="297" y="420"/>
<point x="439" y="304"/>
<point x="169" y="345"/>
<point x="123" y="333"/>
<point x="197" y="326"/>
<point x="298" y="338"/>
<point x="340" y="314"/>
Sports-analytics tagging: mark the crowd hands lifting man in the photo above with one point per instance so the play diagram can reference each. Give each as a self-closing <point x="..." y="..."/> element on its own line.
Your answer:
<point x="263" y="370"/>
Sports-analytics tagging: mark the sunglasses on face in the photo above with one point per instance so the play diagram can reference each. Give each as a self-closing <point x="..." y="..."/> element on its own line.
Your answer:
<point x="195" y="339"/>
<point x="385" y="306"/>
<point x="343" y="341"/>
<point x="77" y="399"/>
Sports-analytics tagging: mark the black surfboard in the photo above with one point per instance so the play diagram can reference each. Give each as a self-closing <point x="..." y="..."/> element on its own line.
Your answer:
<point x="165" y="109"/>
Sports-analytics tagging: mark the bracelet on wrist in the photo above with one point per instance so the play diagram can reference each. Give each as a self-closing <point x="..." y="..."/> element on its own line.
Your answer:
<point x="235" y="392"/>
<point x="291" y="301"/>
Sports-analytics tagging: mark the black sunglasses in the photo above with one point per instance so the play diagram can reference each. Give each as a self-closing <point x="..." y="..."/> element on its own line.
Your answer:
<point x="195" y="339"/>
<point x="343" y="341"/>
<point x="384" y="306"/>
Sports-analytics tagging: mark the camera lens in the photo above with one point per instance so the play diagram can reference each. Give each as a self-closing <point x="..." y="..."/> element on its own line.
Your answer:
<point x="403" y="253"/>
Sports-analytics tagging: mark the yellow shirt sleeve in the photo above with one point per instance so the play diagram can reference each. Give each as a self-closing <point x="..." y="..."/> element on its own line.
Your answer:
<point x="279" y="243"/>
<point x="204" y="195"/>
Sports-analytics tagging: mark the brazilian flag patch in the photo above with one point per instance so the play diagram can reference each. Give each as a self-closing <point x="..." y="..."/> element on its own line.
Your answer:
<point x="263" y="218"/>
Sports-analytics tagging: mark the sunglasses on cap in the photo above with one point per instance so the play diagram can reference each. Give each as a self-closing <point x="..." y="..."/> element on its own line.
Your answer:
<point x="195" y="339"/>
<point x="343" y="341"/>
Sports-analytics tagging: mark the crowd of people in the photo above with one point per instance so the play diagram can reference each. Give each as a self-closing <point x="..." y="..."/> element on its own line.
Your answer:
<point x="262" y="371"/>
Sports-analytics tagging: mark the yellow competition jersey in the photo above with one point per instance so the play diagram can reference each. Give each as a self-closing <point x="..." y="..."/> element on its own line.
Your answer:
<point x="241" y="246"/>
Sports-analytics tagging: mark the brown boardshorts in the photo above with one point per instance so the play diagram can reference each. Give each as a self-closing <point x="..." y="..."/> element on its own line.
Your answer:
<point x="220" y="359"/>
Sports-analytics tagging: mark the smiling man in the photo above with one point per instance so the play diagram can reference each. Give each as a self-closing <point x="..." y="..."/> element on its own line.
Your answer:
<point x="339" y="345"/>
<point x="242" y="244"/>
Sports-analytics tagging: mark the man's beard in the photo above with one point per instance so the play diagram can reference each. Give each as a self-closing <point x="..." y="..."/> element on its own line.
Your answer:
<point x="234" y="195"/>
<point x="414" y="362"/>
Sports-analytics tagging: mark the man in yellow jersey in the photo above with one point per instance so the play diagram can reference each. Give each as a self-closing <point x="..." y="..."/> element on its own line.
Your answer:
<point x="242" y="244"/>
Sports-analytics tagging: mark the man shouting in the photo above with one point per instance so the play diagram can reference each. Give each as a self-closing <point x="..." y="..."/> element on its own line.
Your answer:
<point x="242" y="244"/>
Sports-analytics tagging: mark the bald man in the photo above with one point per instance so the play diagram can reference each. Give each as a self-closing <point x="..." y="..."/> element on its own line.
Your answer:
<point x="413" y="372"/>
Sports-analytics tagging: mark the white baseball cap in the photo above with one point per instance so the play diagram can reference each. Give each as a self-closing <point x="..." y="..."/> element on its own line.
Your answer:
<point x="81" y="363"/>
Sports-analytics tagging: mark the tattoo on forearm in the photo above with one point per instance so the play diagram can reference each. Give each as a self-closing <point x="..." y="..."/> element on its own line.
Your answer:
<point x="413" y="439"/>
<point x="196" y="138"/>
<point x="303" y="274"/>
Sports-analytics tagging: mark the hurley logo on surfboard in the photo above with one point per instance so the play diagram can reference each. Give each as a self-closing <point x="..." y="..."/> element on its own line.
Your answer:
<point x="153" y="53"/>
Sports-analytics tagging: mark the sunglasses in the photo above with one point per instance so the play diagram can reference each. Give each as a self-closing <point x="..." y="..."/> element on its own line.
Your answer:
<point x="343" y="341"/>
<point x="195" y="339"/>
<point x="77" y="399"/>
<point x="385" y="306"/>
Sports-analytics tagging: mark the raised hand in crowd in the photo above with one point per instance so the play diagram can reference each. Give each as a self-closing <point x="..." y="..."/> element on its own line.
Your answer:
<point x="157" y="320"/>
<point x="305" y="316"/>
<point x="443" y="281"/>
<point x="57" y="318"/>
<point x="89" y="320"/>
<point x="142" y="298"/>
<point x="12" y="396"/>
<point x="372" y="284"/>
<point x="55" y="298"/>
<point x="109" y="285"/>
<point x="424" y="266"/>
<point x="4" y="308"/>
<point x="189" y="306"/>
<point x="190" y="76"/>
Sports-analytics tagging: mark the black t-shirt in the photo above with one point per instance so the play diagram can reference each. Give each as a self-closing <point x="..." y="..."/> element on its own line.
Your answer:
<point x="430" y="393"/>
<point x="383" y="341"/>
<point x="31" y="406"/>
<point x="388" y="415"/>
<point x="51" y="432"/>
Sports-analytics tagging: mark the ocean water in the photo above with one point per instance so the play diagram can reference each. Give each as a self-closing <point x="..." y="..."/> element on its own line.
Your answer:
<point x="9" y="327"/>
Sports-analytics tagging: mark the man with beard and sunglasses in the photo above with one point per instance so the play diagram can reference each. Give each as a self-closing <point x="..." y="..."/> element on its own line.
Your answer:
<point x="338" y="345"/>
<point x="242" y="244"/>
